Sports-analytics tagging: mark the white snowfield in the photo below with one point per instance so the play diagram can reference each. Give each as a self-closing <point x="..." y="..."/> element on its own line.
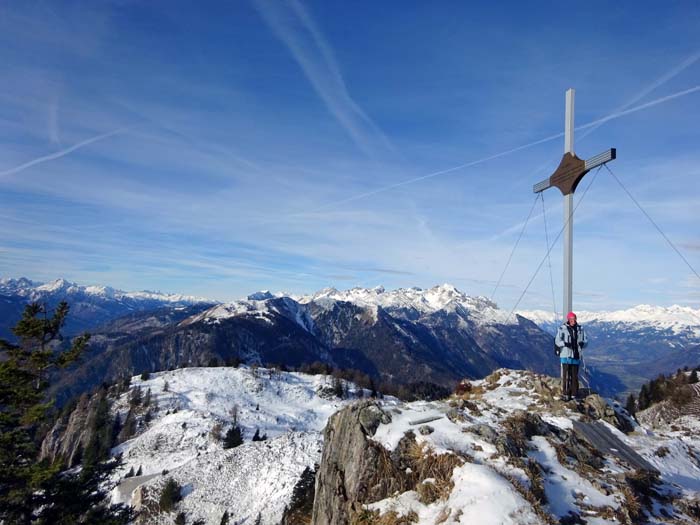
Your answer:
<point x="256" y="480"/>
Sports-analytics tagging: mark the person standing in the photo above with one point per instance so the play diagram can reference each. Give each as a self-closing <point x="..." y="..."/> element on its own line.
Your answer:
<point x="570" y="340"/>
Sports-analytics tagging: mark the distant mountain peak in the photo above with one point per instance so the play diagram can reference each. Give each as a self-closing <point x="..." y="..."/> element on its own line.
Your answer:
<point x="34" y="290"/>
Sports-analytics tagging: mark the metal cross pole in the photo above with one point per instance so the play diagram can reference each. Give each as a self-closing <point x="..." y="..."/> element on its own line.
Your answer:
<point x="567" y="177"/>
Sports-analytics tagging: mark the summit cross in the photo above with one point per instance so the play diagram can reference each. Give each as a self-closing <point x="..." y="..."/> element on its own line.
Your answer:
<point x="567" y="177"/>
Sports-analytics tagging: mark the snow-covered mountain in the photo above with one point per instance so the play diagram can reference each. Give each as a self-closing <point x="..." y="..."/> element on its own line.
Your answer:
<point x="91" y="306"/>
<point x="636" y="344"/>
<point x="410" y="303"/>
<point x="404" y="337"/>
<point x="34" y="291"/>
<point x="676" y="320"/>
<point x="505" y="450"/>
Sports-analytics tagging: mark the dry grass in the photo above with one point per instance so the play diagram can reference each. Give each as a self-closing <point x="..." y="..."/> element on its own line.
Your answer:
<point x="372" y="517"/>
<point x="442" y="517"/>
<point x="534" y="473"/>
<point x="386" y="477"/>
<point x="426" y="464"/>
<point x="632" y="511"/>
<point x="530" y="497"/>
<point x="427" y="492"/>
<point x="662" y="451"/>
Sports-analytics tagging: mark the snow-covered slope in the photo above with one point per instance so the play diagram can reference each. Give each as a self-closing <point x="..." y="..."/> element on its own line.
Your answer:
<point x="190" y="411"/>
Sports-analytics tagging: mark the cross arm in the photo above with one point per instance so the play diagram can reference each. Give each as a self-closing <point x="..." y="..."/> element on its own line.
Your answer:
<point x="572" y="169"/>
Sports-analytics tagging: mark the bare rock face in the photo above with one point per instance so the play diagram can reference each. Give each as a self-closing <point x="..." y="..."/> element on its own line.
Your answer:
<point x="71" y="434"/>
<point x="354" y="469"/>
<point x="596" y="407"/>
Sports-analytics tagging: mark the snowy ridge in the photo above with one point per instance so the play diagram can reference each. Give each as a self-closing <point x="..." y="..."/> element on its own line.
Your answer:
<point x="35" y="290"/>
<point x="421" y="302"/>
<point x="442" y="297"/>
<point x="264" y="309"/>
<point x="484" y="490"/>
<point x="255" y="478"/>
<point x="676" y="318"/>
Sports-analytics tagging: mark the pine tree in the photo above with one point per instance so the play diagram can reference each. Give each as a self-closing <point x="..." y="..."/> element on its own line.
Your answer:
<point x="129" y="427"/>
<point x="643" y="401"/>
<point x="135" y="397"/>
<point x="100" y="428"/>
<point x="693" y="376"/>
<point x="631" y="405"/>
<point x="224" y="518"/>
<point x="23" y="407"/>
<point x="233" y="437"/>
<point x="170" y="495"/>
<point x="72" y="498"/>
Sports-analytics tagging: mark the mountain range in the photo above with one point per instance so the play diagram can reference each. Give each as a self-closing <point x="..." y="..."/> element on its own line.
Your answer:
<point x="437" y="335"/>
<point x="90" y="306"/>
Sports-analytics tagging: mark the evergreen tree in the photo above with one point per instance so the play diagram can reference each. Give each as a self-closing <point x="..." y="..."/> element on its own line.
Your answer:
<point x="170" y="495"/>
<point x="23" y="407"/>
<point x="72" y="498"/>
<point x="631" y="405"/>
<point x="224" y="518"/>
<point x="135" y="397"/>
<point x="693" y="376"/>
<point x="233" y="437"/>
<point x="139" y="472"/>
<point x="129" y="427"/>
<point x="100" y="428"/>
<point x="180" y="519"/>
<point x="643" y="402"/>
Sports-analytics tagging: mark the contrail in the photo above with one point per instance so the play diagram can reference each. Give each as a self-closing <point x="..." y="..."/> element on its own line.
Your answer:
<point x="656" y="102"/>
<point x="598" y="122"/>
<point x="61" y="153"/>
<point x="441" y="172"/>
<point x="651" y="87"/>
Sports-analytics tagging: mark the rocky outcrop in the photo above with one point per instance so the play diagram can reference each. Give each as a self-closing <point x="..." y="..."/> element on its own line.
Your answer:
<point x="353" y="468"/>
<point x="71" y="434"/>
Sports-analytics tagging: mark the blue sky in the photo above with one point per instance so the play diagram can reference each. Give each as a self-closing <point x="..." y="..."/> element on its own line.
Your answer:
<point x="239" y="146"/>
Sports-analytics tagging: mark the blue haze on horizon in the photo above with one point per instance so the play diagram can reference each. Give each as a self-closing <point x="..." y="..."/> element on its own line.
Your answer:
<point x="220" y="150"/>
